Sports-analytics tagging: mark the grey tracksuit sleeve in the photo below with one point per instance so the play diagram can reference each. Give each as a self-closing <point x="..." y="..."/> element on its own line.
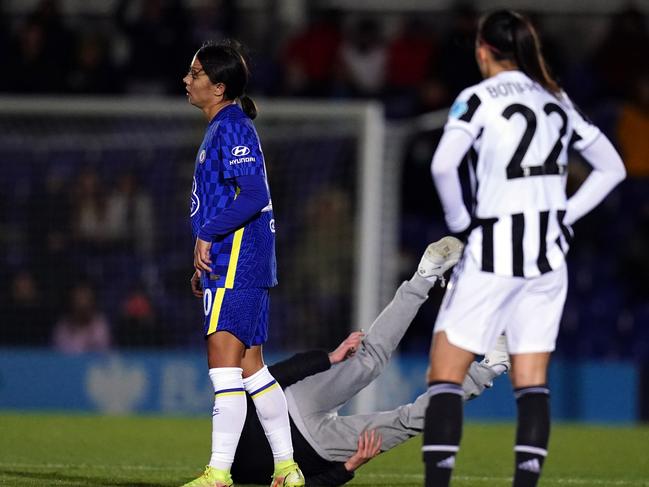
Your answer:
<point x="313" y="402"/>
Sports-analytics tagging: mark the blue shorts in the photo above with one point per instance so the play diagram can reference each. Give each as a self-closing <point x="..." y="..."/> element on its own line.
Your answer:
<point x="242" y="312"/>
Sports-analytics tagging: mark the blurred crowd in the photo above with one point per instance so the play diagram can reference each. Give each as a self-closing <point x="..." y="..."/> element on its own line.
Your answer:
<point x="73" y="233"/>
<point x="408" y="61"/>
<point x="144" y="47"/>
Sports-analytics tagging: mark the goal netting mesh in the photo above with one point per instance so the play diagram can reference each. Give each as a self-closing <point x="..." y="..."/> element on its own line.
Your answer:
<point x="94" y="216"/>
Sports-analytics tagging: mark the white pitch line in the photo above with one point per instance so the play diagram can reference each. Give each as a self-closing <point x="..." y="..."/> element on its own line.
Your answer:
<point x="88" y="465"/>
<point x="411" y="476"/>
<point x="560" y="480"/>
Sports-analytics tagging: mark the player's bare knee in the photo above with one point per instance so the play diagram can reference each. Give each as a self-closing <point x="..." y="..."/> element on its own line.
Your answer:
<point x="529" y="369"/>
<point x="444" y="376"/>
<point x="251" y="365"/>
<point x="527" y="377"/>
<point x="224" y="350"/>
<point x="440" y="371"/>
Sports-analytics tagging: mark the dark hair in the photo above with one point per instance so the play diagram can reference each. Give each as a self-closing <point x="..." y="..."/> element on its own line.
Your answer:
<point x="511" y="36"/>
<point x="224" y="62"/>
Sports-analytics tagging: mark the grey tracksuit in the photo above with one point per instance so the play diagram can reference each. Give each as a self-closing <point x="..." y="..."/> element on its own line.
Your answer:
<point x="314" y="401"/>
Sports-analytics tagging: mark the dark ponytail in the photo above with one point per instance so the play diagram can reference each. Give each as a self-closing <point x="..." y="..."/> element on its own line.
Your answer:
<point x="511" y="36"/>
<point x="225" y="63"/>
<point x="248" y="106"/>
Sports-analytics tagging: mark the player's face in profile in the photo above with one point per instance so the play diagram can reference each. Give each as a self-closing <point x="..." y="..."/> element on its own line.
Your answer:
<point x="197" y="84"/>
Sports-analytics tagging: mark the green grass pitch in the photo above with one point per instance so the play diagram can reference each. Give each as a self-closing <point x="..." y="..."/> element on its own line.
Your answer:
<point x="77" y="450"/>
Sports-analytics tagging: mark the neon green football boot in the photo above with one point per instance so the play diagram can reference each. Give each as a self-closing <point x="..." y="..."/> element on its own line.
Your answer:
<point x="287" y="474"/>
<point x="212" y="477"/>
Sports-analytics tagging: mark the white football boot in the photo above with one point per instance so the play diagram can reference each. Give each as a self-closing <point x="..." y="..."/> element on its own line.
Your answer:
<point x="439" y="257"/>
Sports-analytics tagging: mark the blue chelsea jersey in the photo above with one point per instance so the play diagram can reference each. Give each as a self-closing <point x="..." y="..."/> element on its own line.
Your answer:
<point x="231" y="148"/>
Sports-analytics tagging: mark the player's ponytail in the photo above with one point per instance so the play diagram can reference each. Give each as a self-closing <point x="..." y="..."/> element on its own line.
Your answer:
<point x="225" y="63"/>
<point x="511" y="36"/>
<point x="248" y="106"/>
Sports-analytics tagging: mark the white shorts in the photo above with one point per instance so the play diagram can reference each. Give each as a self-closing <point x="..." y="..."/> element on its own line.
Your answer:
<point x="479" y="306"/>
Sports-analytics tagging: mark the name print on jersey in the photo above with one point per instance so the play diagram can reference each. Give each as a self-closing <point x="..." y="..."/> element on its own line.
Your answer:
<point x="511" y="88"/>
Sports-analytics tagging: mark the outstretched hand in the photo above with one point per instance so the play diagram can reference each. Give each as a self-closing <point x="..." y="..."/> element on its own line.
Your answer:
<point x="369" y="446"/>
<point x="347" y="348"/>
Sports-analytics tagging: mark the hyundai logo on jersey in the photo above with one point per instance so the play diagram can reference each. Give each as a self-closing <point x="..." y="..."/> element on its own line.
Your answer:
<point x="240" y="151"/>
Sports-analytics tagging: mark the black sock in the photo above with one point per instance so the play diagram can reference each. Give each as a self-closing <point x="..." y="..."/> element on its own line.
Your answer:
<point x="532" y="434"/>
<point x="442" y="432"/>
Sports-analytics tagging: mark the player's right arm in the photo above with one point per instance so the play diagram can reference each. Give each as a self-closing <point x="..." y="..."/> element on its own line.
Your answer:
<point x="461" y="129"/>
<point x="195" y="282"/>
<point x="447" y="159"/>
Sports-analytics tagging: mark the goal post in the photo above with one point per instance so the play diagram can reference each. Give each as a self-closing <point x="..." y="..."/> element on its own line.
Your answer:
<point x="333" y="149"/>
<point x="369" y="121"/>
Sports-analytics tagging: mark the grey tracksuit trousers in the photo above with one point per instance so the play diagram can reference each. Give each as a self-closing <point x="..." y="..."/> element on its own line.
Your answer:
<point x="313" y="402"/>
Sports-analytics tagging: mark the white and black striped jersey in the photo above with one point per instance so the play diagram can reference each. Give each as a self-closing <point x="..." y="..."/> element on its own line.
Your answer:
<point x="517" y="136"/>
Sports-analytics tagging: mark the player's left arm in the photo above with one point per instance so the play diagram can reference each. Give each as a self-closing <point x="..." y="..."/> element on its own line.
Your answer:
<point x="608" y="171"/>
<point x="237" y="151"/>
<point x="253" y="197"/>
<point x="242" y="161"/>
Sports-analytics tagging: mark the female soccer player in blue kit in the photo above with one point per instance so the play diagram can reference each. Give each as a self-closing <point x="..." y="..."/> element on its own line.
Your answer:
<point x="234" y="261"/>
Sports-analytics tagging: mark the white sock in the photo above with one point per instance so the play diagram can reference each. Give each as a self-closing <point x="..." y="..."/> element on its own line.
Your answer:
<point x="228" y="415"/>
<point x="272" y="411"/>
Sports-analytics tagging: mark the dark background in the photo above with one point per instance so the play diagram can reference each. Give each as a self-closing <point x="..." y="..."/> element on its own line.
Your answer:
<point x="414" y="61"/>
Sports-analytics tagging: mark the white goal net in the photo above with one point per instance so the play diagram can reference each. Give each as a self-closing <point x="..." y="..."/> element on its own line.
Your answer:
<point x="96" y="191"/>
